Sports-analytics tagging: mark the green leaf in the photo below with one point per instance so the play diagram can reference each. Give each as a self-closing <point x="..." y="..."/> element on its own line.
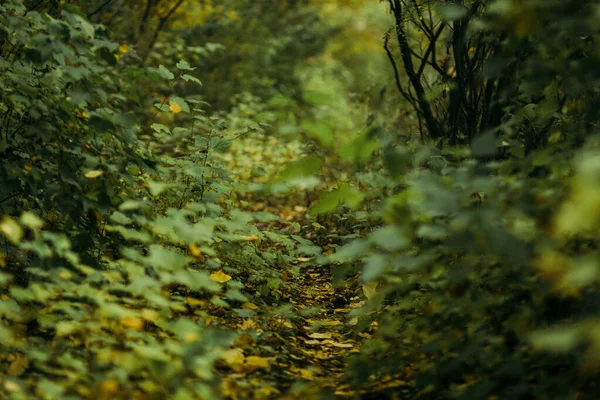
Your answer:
<point x="452" y="12"/>
<point x="181" y="103"/>
<point x="390" y="238"/>
<point x="31" y="220"/>
<point x="184" y="65"/>
<point x="375" y="267"/>
<point x="304" y="167"/>
<point x="220" y="145"/>
<point x="561" y="339"/>
<point x="130" y="205"/>
<point x="157" y="187"/>
<point x="120" y="218"/>
<point x="165" y="73"/>
<point x="164" y="259"/>
<point x="100" y="123"/>
<point x="319" y="130"/>
<point x="162" y="107"/>
<point x="361" y="148"/>
<point x="190" y="78"/>
<point x="329" y="201"/>
<point x="158" y="128"/>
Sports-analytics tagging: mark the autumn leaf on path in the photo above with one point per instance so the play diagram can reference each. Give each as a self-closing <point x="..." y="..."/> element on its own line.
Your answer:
<point x="317" y="335"/>
<point x="220" y="277"/>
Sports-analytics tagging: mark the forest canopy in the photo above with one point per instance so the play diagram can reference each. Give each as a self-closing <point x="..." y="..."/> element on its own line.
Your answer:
<point x="287" y="199"/>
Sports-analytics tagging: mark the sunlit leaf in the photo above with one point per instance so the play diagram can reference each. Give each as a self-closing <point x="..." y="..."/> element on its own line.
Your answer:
<point x="220" y="277"/>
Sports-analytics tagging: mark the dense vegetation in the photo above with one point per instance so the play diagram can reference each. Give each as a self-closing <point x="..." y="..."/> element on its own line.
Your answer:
<point x="299" y="199"/>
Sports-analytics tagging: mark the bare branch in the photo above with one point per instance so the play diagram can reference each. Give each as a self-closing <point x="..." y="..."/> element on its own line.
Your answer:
<point x="403" y="92"/>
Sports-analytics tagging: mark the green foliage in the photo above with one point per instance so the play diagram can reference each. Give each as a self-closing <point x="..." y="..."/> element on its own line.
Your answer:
<point x="150" y="248"/>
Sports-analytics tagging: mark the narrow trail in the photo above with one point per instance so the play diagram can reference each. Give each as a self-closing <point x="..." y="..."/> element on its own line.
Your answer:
<point x="307" y="336"/>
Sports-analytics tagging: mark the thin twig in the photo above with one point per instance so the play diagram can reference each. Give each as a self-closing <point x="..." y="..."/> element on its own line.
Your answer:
<point x="107" y="2"/>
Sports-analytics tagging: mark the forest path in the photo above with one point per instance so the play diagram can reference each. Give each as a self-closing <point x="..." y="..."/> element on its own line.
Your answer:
<point x="307" y="335"/>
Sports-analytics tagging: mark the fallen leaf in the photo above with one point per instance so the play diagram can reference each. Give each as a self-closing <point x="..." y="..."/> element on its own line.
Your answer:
<point x="313" y="341"/>
<point x="244" y="340"/>
<point x="317" y="335"/>
<point x="233" y="357"/>
<point x="220" y="277"/>
<point x="250" y="306"/>
<point x="248" y="324"/>
<point x="195" y="252"/>
<point x="330" y="323"/>
<point x="18" y="366"/>
<point x="251" y="238"/>
<point x="133" y="323"/>
<point x="343" y="345"/>
<point x="302" y="373"/>
<point x="265" y="392"/>
<point x="255" y="362"/>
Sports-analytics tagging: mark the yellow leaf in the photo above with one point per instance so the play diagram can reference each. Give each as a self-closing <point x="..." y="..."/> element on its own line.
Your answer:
<point x="303" y="373"/>
<point x="175" y="108"/>
<point x="250" y="306"/>
<point x="93" y="174"/>
<point x="124" y="48"/>
<point x="248" y="324"/>
<point x="133" y="323"/>
<point x="317" y="335"/>
<point x="12" y="387"/>
<point x="18" y="366"/>
<point x="257" y="362"/>
<point x="244" y="340"/>
<point x="343" y="345"/>
<point x="233" y="356"/>
<point x="220" y="277"/>
<point x="265" y="392"/>
<point x="191" y="337"/>
<point x="195" y="252"/>
<point x="150" y="315"/>
<point x="11" y="229"/>
<point x="370" y="289"/>
<point x="251" y="238"/>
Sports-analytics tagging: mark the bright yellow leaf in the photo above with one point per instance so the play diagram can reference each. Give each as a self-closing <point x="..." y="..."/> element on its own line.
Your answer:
<point x="220" y="277"/>
<point x="133" y="323"/>
<point x="175" y="108"/>
<point x="250" y="306"/>
<point x="93" y="174"/>
<point x="124" y="48"/>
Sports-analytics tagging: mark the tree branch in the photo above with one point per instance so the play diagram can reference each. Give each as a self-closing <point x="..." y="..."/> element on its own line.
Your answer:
<point x="107" y="2"/>
<point x="430" y="120"/>
<point x="405" y="94"/>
